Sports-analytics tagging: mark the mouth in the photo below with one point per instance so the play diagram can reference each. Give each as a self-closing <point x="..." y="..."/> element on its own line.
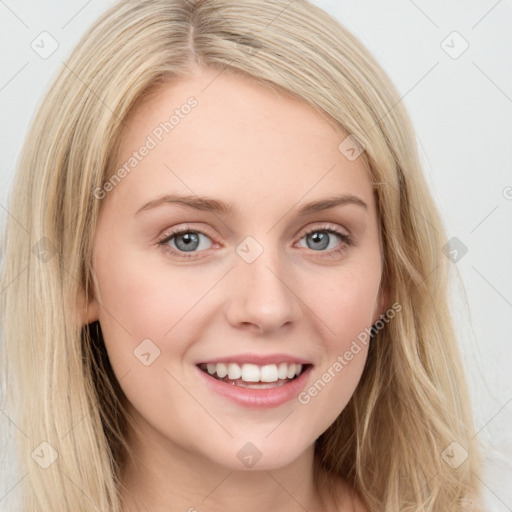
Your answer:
<point x="254" y="376"/>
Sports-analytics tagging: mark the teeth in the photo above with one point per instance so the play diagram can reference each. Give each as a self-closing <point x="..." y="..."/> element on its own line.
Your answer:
<point x="234" y="371"/>
<point x="222" y="370"/>
<point x="250" y="372"/>
<point x="269" y="373"/>
<point x="254" y="373"/>
<point x="282" y="373"/>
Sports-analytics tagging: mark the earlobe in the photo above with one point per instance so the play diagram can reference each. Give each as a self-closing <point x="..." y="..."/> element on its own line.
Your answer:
<point x="91" y="312"/>
<point x="88" y="310"/>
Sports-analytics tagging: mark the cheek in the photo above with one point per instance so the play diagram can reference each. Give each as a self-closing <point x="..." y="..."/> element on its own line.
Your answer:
<point x="142" y="320"/>
<point x="143" y="300"/>
<point x="345" y="301"/>
<point x="345" y="306"/>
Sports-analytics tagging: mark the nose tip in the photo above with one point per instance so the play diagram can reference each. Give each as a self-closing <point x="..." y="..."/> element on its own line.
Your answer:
<point x="261" y="298"/>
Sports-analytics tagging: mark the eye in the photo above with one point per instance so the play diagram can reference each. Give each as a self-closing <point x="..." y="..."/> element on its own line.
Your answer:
<point x="320" y="238"/>
<point x="184" y="240"/>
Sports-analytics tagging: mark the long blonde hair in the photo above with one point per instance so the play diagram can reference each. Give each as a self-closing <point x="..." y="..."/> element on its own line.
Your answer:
<point x="411" y="410"/>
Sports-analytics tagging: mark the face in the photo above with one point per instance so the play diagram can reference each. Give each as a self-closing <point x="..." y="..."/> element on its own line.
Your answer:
<point x="261" y="280"/>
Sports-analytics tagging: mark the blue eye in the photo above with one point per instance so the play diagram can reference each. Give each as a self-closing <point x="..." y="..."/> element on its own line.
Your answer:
<point x="185" y="242"/>
<point x="321" y="236"/>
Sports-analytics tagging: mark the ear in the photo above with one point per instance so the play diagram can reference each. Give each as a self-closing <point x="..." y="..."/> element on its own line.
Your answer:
<point x="88" y="309"/>
<point x="92" y="310"/>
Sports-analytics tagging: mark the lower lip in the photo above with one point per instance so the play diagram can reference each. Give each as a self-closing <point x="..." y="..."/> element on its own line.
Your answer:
<point x="257" y="398"/>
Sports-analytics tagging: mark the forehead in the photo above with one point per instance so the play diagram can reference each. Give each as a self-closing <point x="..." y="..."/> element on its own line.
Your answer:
<point x="225" y="135"/>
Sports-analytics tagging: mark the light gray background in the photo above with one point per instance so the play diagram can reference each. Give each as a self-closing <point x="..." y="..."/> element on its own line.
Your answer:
<point x="462" y="112"/>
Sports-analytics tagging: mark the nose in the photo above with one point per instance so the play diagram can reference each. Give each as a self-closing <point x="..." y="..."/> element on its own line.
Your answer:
<point x="262" y="295"/>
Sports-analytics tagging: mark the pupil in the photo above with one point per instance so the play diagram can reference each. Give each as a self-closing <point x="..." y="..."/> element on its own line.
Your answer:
<point x="320" y="237"/>
<point x="187" y="241"/>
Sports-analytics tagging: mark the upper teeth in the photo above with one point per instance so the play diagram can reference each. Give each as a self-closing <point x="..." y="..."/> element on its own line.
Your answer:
<point x="254" y="373"/>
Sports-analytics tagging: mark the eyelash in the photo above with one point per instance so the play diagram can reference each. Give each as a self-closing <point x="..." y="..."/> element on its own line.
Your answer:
<point x="346" y="240"/>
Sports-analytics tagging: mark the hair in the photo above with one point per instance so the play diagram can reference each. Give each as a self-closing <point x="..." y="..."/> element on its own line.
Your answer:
<point x="412" y="401"/>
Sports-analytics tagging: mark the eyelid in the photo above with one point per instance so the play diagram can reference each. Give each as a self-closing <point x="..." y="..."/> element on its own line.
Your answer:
<point x="305" y="231"/>
<point x="346" y="238"/>
<point x="327" y="227"/>
<point x="183" y="229"/>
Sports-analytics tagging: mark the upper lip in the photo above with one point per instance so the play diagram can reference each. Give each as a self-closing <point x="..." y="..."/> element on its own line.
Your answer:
<point x="258" y="359"/>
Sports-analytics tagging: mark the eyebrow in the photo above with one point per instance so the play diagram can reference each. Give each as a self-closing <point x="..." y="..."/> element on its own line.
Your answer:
<point x="213" y="205"/>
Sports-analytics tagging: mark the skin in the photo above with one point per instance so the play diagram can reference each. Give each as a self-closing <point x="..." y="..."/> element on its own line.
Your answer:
<point x="268" y="154"/>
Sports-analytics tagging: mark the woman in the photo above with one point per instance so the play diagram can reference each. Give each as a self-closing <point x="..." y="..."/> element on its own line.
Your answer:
<point x="175" y="337"/>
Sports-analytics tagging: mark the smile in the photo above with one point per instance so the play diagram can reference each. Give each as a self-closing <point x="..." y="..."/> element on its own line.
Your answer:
<point x="253" y="385"/>
<point x="253" y="373"/>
